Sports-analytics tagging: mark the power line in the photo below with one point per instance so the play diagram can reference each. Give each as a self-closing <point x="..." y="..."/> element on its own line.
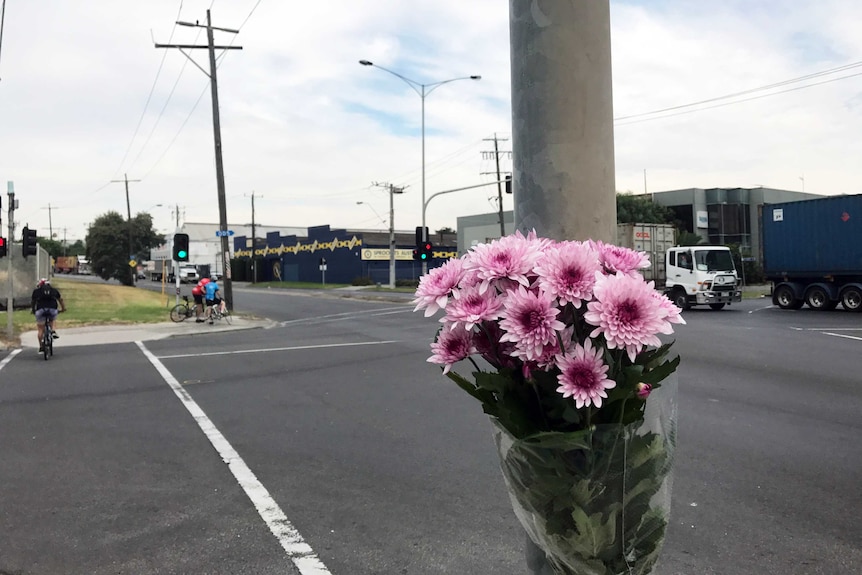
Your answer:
<point x="682" y="112"/>
<point x="149" y="96"/>
<point x="748" y="91"/>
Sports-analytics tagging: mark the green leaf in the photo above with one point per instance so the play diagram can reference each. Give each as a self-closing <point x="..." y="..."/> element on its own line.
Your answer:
<point x="661" y="372"/>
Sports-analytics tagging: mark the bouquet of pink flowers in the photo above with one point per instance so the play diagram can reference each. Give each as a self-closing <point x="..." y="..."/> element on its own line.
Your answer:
<point x="570" y="332"/>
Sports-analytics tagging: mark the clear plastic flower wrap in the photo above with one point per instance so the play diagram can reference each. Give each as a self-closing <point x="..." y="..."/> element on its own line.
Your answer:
<point x="596" y="501"/>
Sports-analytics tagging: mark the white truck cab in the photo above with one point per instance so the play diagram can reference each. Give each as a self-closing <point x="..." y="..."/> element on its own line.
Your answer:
<point x="701" y="275"/>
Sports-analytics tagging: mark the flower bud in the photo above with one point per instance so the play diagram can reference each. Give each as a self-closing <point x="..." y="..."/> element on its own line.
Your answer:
<point x="643" y="390"/>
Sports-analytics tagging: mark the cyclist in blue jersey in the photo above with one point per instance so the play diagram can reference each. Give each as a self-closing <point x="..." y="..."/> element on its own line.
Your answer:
<point x="213" y="297"/>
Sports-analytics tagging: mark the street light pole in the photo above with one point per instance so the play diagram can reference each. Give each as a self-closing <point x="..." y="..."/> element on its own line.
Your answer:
<point x="423" y="90"/>
<point x="392" y="191"/>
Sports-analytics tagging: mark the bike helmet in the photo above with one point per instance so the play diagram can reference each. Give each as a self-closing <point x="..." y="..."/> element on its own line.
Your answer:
<point x="43" y="282"/>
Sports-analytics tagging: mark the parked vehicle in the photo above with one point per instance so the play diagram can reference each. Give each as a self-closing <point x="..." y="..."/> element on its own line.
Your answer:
<point x="688" y="275"/>
<point x="812" y="252"/>
<point x="84" y="266"/>
<point x="66" y="265"/>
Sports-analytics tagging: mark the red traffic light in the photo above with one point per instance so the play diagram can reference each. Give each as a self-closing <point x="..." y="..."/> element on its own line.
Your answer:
<point x="2" y="242"/>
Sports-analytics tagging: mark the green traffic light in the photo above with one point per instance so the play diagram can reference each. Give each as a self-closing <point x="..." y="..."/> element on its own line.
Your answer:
<point x="182" y="253"/>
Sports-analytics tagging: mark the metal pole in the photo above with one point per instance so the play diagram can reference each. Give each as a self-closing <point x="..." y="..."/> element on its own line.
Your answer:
<point x="10" y="299"/>
<point x="392" y="236"/>
<point x="424" y="230"/>
<point x="499" y="187"/>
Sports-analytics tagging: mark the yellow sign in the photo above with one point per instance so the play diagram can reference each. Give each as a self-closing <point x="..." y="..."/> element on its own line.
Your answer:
<point x="132" y="263"/>
<point x="374" y="254"/>
<point x="299" y="246"/>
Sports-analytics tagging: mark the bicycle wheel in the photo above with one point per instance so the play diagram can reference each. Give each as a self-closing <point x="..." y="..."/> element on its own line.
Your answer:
<point x="180" y="312"/>
<point x="226" y="316"/>
<point x="47" y="340"/>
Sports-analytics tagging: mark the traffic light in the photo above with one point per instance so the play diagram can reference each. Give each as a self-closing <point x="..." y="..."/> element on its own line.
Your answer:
<point x="423" y="251"/>
<point x="181" y="247"/>
<point x="28" y="242"/>
<point x="2" y="247"/>
<point x="508" y="183"/>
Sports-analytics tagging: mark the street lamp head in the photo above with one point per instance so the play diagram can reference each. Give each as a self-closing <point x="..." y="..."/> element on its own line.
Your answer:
<point x="476" y="77"/>
<point x="366" y="62"/>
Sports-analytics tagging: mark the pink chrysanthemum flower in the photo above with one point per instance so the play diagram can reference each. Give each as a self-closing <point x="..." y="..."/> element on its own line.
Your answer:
<point x="510" y="257"/>
<point x="627" y="313"/>
<point x="435" y="286"/>
<point x="452" y="346"/>
<point x="616" y="259"/>
<point x="583" y="376"/>
<point x="547" y="360"/>
<point x="670" y="308"/>
<point x="567" y="271"/>
<point x="530" y="321"/>
<point x="643" y="390"/>
<point x="470" y="306"/>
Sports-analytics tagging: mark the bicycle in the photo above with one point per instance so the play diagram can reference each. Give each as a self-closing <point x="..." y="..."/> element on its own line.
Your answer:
<point x="47" y="341"/>
<point x="217" y="313"/>
<point x="182" y="311"/>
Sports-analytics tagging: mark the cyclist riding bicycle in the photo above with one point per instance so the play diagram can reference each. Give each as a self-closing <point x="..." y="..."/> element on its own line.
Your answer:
<point x="43" y="304"/>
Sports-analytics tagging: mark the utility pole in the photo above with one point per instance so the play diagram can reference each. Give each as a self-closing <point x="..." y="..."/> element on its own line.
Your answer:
<point x="129" y="213"/>
<point x="222" y="204"/>
<point x="10" y="297"/>
<point x="497" y="153"/>
<point x="563" y="130"/>
<point x="50" y="225"/>
<point x="253" y="243"/>
<point x="392" y="191"/>
<point x="562" y="119"/>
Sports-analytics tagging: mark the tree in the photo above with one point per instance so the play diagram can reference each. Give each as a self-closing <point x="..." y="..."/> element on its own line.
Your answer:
<point x="633" y="209"/>
<point x="445" y="230"/>
<point x="53" y="247"/>
<point x="108" y="244"/>
<point x="689" y="239"/>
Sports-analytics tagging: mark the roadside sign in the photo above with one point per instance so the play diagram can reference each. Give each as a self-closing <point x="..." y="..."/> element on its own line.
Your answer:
<point x="220" y="233"/>
<point x="132" y="263"/>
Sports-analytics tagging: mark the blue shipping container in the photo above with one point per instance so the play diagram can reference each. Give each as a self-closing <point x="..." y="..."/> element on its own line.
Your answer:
<point x="818" y="237"/>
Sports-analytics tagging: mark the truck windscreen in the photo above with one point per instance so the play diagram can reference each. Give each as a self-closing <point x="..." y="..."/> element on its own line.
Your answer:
<point x="713" y="261"/>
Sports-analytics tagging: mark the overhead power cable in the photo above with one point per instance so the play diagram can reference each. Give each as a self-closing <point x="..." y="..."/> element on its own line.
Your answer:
<point x="661" y="113"/>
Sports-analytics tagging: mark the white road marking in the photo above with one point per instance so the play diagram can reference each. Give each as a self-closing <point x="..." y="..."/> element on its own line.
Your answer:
<point x="342" y="316"/>
<point x="827" y="328"/>
<point x="842" y="335"/>
<point x="9" y="357"/>
<point x="271" y="349"/>
<point x="762" y="308"/>
<point x="299" y="552"/>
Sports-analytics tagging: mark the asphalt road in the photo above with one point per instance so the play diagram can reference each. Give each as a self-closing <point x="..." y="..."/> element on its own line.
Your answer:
<point x="342" y="442"/>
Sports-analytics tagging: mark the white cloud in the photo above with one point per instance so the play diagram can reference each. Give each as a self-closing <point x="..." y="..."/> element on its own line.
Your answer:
<point x="308" y="129"/>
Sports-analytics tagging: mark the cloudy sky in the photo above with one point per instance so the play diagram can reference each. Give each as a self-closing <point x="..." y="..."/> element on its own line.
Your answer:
<point x="86" y="98"/>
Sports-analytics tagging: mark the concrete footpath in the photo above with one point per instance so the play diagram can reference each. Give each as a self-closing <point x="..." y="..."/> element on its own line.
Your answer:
<point x="99" y="334"/>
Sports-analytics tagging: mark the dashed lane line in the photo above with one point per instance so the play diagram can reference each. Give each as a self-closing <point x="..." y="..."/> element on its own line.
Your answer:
<point x="299" y="552"/>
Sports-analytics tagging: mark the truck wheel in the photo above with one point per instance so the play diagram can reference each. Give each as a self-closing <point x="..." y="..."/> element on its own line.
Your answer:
<point x="785" y="299"/>
<point x="817" y="298"/>
<point x="716" y="306"/>
<point x="851" y="299"/>
<point x="679" y="299"/>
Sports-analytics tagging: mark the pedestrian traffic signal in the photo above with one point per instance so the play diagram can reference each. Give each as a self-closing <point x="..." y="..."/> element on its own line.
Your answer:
<point x="2" y="247"/>
<point x="508" y="183"/>
<point x="28" y="242"/>
<point x="181" y="247"/>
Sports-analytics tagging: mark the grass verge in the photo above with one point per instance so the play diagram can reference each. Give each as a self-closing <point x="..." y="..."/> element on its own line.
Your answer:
<point x="95" y="304"/>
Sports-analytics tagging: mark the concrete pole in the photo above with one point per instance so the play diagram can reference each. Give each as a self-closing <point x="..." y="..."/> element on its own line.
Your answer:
<point x="562" y="119"/>
<point x="391" y="236"/>
<point x="562" y="130"/>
